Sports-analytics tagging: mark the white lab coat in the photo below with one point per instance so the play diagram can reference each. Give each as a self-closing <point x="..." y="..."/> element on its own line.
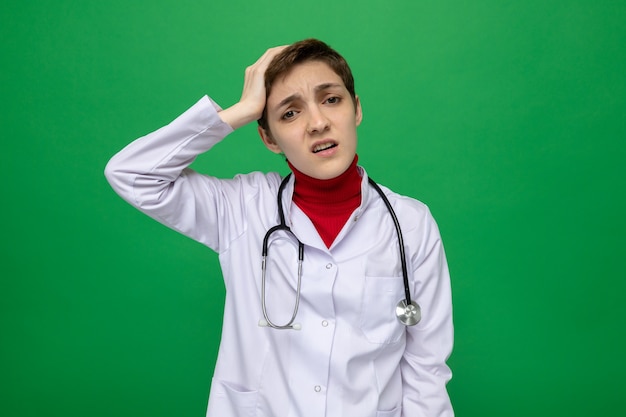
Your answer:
<point x="352" y="358"/>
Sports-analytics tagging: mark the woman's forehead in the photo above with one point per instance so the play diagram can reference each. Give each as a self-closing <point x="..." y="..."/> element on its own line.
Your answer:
<point x="303" y="79"/>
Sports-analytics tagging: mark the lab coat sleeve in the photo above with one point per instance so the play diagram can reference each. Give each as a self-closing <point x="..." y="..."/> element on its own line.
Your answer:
<point x="429" y="343"/>
<point x="152" y="174"/>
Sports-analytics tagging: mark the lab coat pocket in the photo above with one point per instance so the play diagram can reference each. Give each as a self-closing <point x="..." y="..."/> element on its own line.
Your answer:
<point x="391" y="413"/>
<point x="228" y="399"/>
<point x="378" y="309"/>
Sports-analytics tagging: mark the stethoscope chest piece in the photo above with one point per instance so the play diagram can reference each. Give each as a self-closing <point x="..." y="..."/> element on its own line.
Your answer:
<point x="408" y="314"/>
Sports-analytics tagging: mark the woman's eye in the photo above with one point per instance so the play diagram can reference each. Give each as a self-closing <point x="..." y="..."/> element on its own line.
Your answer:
<point x="289" y="114"/>
<point x="332" y="100"/>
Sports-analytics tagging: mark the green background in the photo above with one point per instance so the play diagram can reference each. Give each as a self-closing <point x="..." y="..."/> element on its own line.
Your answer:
<point x="507" y="118"/>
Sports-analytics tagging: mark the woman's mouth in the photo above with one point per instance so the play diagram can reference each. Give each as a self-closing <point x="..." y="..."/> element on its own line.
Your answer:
<point x="323" y="146"/>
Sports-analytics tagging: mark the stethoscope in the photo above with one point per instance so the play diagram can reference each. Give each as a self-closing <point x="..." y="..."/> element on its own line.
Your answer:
<point x="408" y="312"/>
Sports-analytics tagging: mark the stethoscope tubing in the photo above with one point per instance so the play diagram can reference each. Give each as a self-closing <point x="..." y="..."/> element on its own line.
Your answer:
<point x="281" y="226"/>
<point x="405" y="273"/>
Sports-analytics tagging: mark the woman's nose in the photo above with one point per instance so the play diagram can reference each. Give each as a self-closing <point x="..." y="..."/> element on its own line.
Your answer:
<point x="317" y="122"/>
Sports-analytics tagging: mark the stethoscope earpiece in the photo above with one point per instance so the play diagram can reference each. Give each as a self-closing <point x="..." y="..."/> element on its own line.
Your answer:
<point x="408" y="314"/>
<point x="294" y="326"/>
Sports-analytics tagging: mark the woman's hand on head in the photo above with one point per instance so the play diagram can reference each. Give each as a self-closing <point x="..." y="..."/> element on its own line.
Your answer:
<point x="252" y="102"/>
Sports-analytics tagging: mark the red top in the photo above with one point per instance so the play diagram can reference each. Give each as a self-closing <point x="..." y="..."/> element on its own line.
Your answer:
<point x="328" y="203"/>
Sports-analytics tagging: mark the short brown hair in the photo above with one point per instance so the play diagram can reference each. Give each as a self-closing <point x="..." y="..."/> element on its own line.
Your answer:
<point x="304" y="51"/>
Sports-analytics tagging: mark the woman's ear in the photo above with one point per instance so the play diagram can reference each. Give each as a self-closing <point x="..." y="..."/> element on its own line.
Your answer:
<point x="359" y="111"/>
<point x="268" y="141"/>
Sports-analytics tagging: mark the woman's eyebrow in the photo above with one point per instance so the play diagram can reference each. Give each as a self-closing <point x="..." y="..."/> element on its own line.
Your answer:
<point x="287" y="100"/>
<point x="326" y="86"/>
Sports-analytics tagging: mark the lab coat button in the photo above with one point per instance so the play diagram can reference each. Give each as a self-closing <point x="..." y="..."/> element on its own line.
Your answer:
<point x="328" y="266"/>
<point x="318" y="388"/>
<point x="325" y="323"/>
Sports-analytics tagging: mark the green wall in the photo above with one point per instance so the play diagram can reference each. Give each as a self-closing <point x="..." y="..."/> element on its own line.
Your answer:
<point x="507" y="118"/>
